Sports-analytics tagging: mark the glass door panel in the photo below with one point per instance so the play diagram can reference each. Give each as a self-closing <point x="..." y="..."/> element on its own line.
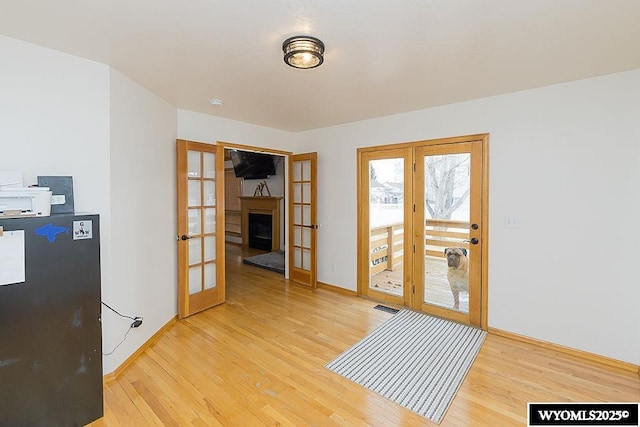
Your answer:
<point x="386" y="225"/>
<point x="447" y="210"/>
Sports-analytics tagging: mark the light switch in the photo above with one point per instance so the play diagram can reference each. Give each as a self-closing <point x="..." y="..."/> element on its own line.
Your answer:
<point x="511" y="222"/>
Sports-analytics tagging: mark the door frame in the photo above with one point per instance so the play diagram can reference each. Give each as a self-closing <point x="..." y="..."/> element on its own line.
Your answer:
<point x="363" y="232"/>
<point x="287" y="159"/>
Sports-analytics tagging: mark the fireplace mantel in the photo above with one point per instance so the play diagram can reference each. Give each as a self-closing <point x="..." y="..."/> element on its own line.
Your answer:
<point x="265" y="205"/>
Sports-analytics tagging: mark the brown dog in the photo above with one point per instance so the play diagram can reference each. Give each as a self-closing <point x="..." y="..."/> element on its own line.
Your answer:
<point x="458" y="273"/>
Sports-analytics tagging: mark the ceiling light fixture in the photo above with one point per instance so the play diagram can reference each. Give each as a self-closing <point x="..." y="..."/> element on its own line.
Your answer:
<point x="303" y="52"/>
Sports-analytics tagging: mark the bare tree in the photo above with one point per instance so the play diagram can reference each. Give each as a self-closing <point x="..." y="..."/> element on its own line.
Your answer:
<point x="441" y="184"/>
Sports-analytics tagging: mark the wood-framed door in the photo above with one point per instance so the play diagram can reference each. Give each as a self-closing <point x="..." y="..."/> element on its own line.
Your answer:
<point x="449" y="231"/>
<point x="383" y="223"/>
<point x="200" y="239"/>
<point x="416" y="200"/>
<point x="303" y="226"/>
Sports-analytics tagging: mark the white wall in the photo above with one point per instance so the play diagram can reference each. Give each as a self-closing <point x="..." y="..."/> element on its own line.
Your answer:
<point x="203" y="128"/>
<point x="63" y="115"/>
<point x="210" y="129"/>
<point x="565" y="161"/>
<point x="54" y="120"/>
<point x="143" y="215"/>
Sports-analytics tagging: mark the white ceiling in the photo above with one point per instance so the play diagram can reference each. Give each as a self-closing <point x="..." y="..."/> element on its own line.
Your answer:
<point x="382" y="56"/>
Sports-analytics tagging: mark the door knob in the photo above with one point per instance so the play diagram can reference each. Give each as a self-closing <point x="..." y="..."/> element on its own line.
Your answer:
<point x="184" y="237"/>
<point x="474" y="226"/>
<point x="474" y="241"/>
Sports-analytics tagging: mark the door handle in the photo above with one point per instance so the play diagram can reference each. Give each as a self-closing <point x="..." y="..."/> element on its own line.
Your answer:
<point x="184" y="237"/>
<point x="310" y="226"/>
<point x="474" y="241"/>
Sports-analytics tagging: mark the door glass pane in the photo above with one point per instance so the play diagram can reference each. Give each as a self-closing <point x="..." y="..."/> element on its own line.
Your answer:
<point x="306" y="170"/>
<point x="210" y="248"/>
<point x="194" y="193"/>
<point x="306" y="193"/>
<point x="297" y="190"/>
<point x="193" y="164"/>
<point x="306" y="241"/>
<point x="297" y="214"/>
<point x="209" y="193"/>
<point x="210" y="276"/>
<point x="297" y="257"/>
<point x="194" y="222"/>
<point x="210" y="220"/>
<point x="297" y="171"/>
<point x="447" y="213"/>
<point x="209" y="165"/>
<point x="195" y="280"/>
<point x="306" y="215"/>
<point x="386" y="222"/>
<point x="306" y="259"/>
<point x="297" y="237"/>
<point x="195" y="251"/>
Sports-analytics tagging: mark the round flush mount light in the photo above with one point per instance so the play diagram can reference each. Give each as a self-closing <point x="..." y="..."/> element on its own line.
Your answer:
<point x="303" y="52"/>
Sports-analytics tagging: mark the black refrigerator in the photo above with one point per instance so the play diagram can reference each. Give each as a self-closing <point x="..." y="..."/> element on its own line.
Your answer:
<point x="50" y="331"/>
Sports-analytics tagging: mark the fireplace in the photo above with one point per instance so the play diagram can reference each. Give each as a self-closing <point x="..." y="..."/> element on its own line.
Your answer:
<point x="260" y="231"/>
<point x="262" y="212"/>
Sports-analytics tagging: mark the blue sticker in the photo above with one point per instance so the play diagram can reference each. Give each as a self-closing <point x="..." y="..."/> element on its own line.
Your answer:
<point x="50" y="231"/>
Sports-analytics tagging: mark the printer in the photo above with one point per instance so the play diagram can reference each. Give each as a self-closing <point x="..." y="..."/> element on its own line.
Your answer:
<point x="25" y="202"/>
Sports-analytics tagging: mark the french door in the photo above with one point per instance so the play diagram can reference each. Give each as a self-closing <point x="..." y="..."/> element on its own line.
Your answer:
<point x="423" y="226"/>
<point x="302" y="219"/>
<point x="200" y="239"/>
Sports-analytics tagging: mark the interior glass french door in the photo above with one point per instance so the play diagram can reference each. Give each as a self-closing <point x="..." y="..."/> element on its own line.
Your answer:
<point x="386" y="221"/>
<point x="448" y="230"/>
<point x="302" y="219"/>
<point x="200" y="239"/>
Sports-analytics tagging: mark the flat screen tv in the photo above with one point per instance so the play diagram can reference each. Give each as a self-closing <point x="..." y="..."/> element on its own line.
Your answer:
<point x="250" y="165"/>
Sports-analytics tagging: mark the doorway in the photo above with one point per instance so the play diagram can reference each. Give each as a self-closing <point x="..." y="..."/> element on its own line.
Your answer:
<point x="254" y="206"/>
<point x="423" y="226"/>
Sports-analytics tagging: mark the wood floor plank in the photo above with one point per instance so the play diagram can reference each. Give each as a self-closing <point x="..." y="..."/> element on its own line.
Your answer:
<point x="259" y="360"/>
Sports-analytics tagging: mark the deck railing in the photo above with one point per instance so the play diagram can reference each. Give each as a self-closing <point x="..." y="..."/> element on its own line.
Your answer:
<point x="386" y="242"/>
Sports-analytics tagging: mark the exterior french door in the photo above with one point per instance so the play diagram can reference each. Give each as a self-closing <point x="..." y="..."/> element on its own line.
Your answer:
<point x="448" y="230"/>
<point x="200" y="239"/>
<point x="423" y="226"/>
<point x="385" y="218"/>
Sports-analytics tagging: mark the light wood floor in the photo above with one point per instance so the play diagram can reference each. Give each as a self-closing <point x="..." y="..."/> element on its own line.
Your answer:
<point x="258" y="360"/>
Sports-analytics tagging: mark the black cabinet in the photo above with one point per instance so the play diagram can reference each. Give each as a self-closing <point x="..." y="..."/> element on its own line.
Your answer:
<point x="50" y="331"/>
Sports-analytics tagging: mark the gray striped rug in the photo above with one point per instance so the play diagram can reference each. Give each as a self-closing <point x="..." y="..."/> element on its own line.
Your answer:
<point x="413" y="359"/>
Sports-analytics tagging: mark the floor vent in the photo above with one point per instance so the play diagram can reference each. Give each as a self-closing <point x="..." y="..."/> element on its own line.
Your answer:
<point x="385" y="308"/>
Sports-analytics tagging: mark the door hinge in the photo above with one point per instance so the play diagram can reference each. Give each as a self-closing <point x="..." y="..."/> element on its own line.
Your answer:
<point x="414" y="208"/>
<point x="414" y="167"/>
<point x="414" y="249"/>
<point x="413" y="289"/>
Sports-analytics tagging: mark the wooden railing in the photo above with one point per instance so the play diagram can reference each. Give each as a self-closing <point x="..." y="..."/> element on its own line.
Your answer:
<point x="386" y="242"/>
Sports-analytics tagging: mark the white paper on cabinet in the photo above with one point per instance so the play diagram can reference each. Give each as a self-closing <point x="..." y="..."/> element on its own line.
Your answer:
<point x="12" y="265"/>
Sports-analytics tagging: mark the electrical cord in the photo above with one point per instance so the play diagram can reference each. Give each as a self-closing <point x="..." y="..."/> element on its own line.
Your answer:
<point x="116" y="347"/>
<point x="116" y="312"/>
<point x="137" y="321"/>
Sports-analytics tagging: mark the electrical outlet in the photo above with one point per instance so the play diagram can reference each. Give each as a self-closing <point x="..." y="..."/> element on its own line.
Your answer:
<point x="333" y="266"/>
<point x="136" y="322"/>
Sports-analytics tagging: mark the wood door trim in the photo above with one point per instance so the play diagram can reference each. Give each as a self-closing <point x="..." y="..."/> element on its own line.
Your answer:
<point x="232" y="145"/>
<point x="438" y="141"/>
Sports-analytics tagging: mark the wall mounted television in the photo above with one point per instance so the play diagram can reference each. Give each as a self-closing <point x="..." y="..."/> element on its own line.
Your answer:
<point x="251" y="165"/>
